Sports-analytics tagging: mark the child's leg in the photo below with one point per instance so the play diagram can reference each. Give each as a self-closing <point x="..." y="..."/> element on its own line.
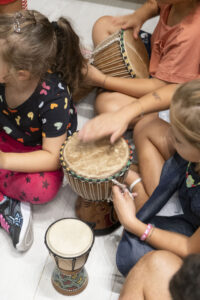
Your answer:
<point x="102" y="28"/>
<point x="131" y="249"/>
<point x="35" y="188"/>
<point x="11" y="7"/>
<point x="15" y="216"/>
<point x="153" y="146"/>
<point x="112" y="101"/>
<point x="142" y="281"/>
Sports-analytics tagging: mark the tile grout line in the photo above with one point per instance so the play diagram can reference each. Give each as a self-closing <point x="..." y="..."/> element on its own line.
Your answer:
<point x="40" y="277"/>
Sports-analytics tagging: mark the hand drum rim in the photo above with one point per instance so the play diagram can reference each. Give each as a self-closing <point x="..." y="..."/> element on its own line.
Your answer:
<point x="57" y="253"/>
<point x="115" y="175"/>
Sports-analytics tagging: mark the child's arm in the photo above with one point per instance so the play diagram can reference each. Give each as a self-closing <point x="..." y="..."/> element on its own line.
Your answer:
<point x="116" y="123"/>
<point x="134" y="87"/>
<point x="43" y="160"/>
<point x="159" y="239"/>
<point x="135" y="20"/>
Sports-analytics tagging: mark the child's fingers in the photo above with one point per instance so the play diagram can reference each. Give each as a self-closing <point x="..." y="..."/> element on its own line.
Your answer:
<point x="136" y="32"/>
<point x="116" y="191"/>
<point x="117" y="134"/>
<point x="128" y="195"/>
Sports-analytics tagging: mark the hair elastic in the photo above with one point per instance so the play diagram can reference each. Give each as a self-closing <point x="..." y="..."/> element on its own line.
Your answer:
<point x="54" y="25"/>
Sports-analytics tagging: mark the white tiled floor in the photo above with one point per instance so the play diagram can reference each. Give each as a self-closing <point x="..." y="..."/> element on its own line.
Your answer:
<point x="27" y="276"/>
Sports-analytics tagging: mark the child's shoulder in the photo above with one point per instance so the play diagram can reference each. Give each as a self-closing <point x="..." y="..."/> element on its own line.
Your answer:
<point x="52" y="85"/>
<point x="55" y="80"/>
<point x="193" y="19"/>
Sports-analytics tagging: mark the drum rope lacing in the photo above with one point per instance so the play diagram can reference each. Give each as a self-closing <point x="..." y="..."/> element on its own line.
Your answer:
<point x="116" y="37"/>
<point x="113" y="38"/>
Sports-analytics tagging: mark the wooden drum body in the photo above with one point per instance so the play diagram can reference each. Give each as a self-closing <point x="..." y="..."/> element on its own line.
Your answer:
<point x="69" y="241"/>
<point x="89" y="169"/>
<point x="121" y="55"/>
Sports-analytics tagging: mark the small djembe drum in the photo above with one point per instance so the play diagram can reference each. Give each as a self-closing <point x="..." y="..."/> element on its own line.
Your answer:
<point x="69" y="241"/>
<point x="122" y="56"/>
<point x="90" y="168"/>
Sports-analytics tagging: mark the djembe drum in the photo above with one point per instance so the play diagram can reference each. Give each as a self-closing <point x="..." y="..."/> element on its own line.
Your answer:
<point x="69" y="241"/>
<point x="122" y="56"/>
<point x="90" y="168"/>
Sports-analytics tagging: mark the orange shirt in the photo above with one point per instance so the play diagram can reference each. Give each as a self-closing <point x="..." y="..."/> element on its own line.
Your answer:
<point x="175" y="54"/>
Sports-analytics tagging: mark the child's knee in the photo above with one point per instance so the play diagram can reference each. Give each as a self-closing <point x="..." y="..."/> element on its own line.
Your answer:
<point x="141" y="128"/>
<point x="163" y="260"/>
<point x="108" y="102"/>
<point x="102" y="23"/>
<point x="105" y="102"/>
<point x="101" y="29"/>
<point x="46" y="189"/>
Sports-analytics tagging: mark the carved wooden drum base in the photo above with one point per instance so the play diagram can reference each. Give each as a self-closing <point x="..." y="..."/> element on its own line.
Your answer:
<point x="69" y="284"/>
<point x="100" y="215"/>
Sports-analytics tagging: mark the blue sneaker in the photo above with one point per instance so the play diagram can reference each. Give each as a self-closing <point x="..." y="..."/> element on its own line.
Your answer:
<point x="16" y="219"/>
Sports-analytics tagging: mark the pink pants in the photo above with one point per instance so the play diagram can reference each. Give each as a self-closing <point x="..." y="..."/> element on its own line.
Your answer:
<point x="35" y="188"/>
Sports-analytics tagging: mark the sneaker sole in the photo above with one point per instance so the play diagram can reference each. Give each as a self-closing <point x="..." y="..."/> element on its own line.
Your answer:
<point x="26" y="234"/>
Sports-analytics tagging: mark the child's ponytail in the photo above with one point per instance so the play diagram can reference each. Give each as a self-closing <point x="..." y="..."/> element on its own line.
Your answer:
<point x="69" y="59"/>
<point x="29" y="37"/>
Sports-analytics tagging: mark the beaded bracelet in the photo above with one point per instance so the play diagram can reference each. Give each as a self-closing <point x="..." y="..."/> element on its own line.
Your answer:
<point x="146" y="233"/>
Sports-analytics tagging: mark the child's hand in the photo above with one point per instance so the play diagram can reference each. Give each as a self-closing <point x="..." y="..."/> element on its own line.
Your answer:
<point x="125" y="207"/>
<point x="129" y="21"/>
<point x="113" y="124"/>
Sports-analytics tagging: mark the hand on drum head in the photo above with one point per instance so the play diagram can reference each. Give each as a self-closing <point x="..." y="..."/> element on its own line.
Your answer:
<point x="124" y="206"/>
<point x="108" y="124"/>
<point x="129" y="21"/>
